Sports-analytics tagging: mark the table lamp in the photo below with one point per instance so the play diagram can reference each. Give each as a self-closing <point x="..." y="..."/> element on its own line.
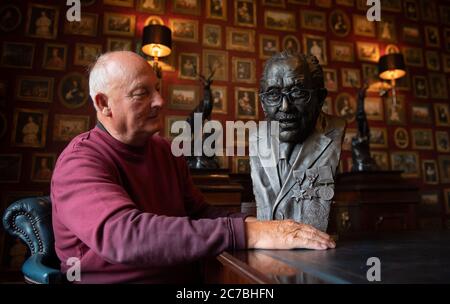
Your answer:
<point x="157" y="43"/>
<point x="392" y="67"/>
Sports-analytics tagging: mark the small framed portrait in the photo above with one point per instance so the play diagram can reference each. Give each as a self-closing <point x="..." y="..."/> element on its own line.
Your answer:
<point x="421" y="113"/>
<point x="66" y="127"/>
<point x="441" y="114"/>
<point x="34" y="88"/>
<point x="351" y="78"/>
<point x="331" y="79"/>
<point x="188" y="7"/>
<point x="123" y="3"/>
<point x="363" y="27"/>
<point x="42" y="167"/>
<point x="422" y="139"/>
<point x="118" y="44"/>
<point x="183" y="97"/>
<point x="350" y="133"/>
<point x="87" y="26"/>
<point x="411" y="33"/>
<point x="216" y="61"/>
<point x="381" y="158"/>
<point x="391" y="49"/>
<point x="269" y="45"/>
<point x="438" y="85"/>
<point x="30" y="128"/>
<point x="216" y="9"/>
<point x="3" y="124"/>
<point x="184" y="30"/>
<point x="151" y="6"/>
<point x="411" y="10"/>
<point x="442" y="141"/>
<point x="240" y="39"/>
<point x="327" y="107"/>
<point x="373" y="106"/>
<point x="433" y="61"/>
<point x="342" y="51"/>
<point x="17" y="55"/>
<point x="408" y="162"/>
<point x="446" y="63"/>
<point x="73" y="90"/>
<point x="345" y="107"/>
<point x="323" y="3"/>
<point x="368" y="51"/>
<point x="386" y="29"/>
<point x="274" y="3"/>
<point x="244" y="69"/>
<point x="188" y="65"/>
<point x="428" y="10"/>
<point x="245" y="13"/>
<point x="119" y="24"/>
<point x="10" y="166"/>
<point x="246" y="101"/>
<point x="432" y="37"/>
<point x="241" y="164"/>
<point x="420" y="86"/>
<point x="447" y="200"/>
<point x="280" y="20"/>
<point x="444" y="168"/>
<point x="42" y="21"/>
<point x="290" y="42"/>
<point x="220" y="99"/>
<point x="401" y="138"/>
<point x="313" y="20"/>
<point x="212" y="35"/>
<point x="378" y="138"/>
<point x="86" y="53"/>
<point x="413" y="56"/>
<point x="395" y="114"/>
<point x="55" y="57"/>
<point x="339" y="23"/>
<point x="169" y="121"/>
<point x="10" y="17"/>
<point x="316" y="46"/>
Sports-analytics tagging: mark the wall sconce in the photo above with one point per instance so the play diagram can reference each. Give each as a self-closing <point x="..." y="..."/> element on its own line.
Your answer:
<point x="157" y="43"/>
<point x="392" y="67"/>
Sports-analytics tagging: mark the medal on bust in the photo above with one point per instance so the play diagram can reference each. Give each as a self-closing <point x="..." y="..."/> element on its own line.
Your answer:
<point x="325" y="191"/>
<point x="298" y="192"/>
<point x="311" y="175"/>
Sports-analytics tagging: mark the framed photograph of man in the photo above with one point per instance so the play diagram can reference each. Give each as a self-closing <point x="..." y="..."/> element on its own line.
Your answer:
<point x="183" y="97"/>
<point x="241" y="164"/>
<point x="216" y="9"/>
<point x="441" y="114"/>
<point x="34" y="88"/>
<point x="30" y="128"/>
<point x="240" y="39"/>
<point x="408" y="162"/>
<point x="87" y="26"/>
<point x="220" y="99"/>
<point x="378" y="137"/>
<point x="212" y="35"/>
<point x="119" y="24"/>
<point x="438" y="85"/>
<point x="401" y="138"/>
<point x="411" y="33"/>
<point x="118" y="44"/>
<point x="350" y="133"/>
<point x="290" y="42"/>
<point x="86" y="53"/>
<point x="313" y="20"/>
<point x="55" y="57"/>
<point x="373" y="106"/>
<point x="381" y="158"/>
<point x="184" y="30"/>
<point x="246" y="102"/>
<point x="42" y="21"/>
<point x="187" y="7"/>
<point x="10" y="166"/>
<point x="151" y="6"/>
<point x="342" y="51"/>
<point x="433" y="61"/>
<point x="269" y="45"/>
<point x="280" y="20"/>
<point x="442" y="141"/>
<point x="316" y="46"/>
<point x="42" y="167"/>
<point x="245" y="13"/>
<point x="331" y="79"/>
<point x="422" y="139"/>
<point x="413" y="56"/>
<point x="17" y="55"/>
<point x="10" y="17"/>
<point x="188" y="65"/>
<point x="387" y="29"/>
<point x="244" y="69"/>
<point x="395" y="114"/>
<point x="73" y="90"/>
<point x="345" y="107"/>
<point x="368" y="51"/>
<point x="216" y="61"/>
<point x="363" y="27"/>
<point x="339" y="23"/>
<point x="444" y="168"/>
<point x="420" y="86"/>
<point x="421" y="113"/>
<point x="66" y="127"/>
<point x="351" y="78"/>
<point x="410" y="9"/>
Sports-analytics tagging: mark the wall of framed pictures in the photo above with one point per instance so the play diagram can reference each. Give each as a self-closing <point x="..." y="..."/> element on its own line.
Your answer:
<point x="44" y="98"/>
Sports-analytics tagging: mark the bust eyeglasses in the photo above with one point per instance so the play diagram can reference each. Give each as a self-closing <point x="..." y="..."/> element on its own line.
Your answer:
<point x="295" y="95"/>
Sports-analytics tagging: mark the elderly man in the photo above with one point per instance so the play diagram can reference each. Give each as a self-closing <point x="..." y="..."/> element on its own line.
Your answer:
<point x="127" y="208"/>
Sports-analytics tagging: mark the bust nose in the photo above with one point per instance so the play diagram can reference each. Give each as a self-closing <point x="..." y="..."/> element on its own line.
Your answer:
<point x="284" y="104"/>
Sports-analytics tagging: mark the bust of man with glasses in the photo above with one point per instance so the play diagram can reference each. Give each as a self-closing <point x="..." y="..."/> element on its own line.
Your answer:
<point x="295" y="179"/>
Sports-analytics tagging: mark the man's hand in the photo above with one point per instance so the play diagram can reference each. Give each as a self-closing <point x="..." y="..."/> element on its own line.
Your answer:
<point x="286" y="234"/>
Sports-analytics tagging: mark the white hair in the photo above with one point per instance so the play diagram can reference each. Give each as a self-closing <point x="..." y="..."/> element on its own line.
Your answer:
<point x="98" y="76"/>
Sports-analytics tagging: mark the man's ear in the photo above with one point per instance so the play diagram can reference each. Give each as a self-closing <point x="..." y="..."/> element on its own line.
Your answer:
<point x="102" y="104"/>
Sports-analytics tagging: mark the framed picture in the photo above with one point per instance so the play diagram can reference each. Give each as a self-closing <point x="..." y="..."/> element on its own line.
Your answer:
<point x="216" y="61"/>
<point x="421" y="113"/>
<point x="381" y="158"/>
<point x="216" y="9"/>
<point x="441" y="114"/>
<point x="42" y="167"/>
<point x="290" y="42"/>
<point x="313" y="20"/>
<point x="10" y="166"/>
<point x="368" y="51"/>
<point x="17" y="55"/>
<point x="370" y="74"/>
<point x="444" y="168"/>
<point x="362" y="26"/>
<point x="327" y="106"/>
<point x="86" y="53"/>
<point x="378" y="138"/>
<point x="275" y="3"/>
<point x="55" y="56"/>
<point x="386" y="29"/>
<point x="189" y="7"/>
<point x="422" y="139"/>
<point x="42" y="21"/>
<point x="432" y="60"/>
<point x="154" y="20"/>
<point x="280" y="20"/>
<point x="444" y="14"/>
<point x="413" y="56"/>
<point x="212" y="35"/>
<point x="183" y="97"/>
<point x="184" y="30"/>
<point x="3" y="124"/>
<point x="345" y="107"/>
<point x="124" y="3"/>
<point x="241" y="164"/>
<point x="403" y="83"/>
<point x="118" y="44"/>
<point x="411" y="9"/>
<point x="240" y="39"/>
<point x="373" y="106"/>
<point x="350" y="133"/>
<point x="34" y="88"/>
<point x="119" y="24"/>
<point x="73" y="90"/>
<point x="351" y="78"/>
<point x="420" y="86"/>
<point x="169" y="121"/>
<point x="442" y="142"/>
<point x="391" y="5"/>
<point x="438" y="86"/>
<point x="401" y="138"/>
<point x="446" y="63"/>
<point x="316" y="46"/>
<point x="30" y="128"/>
<point x="428" y="10"/>
<point x="244" y="69"/>
<point x="87" y="26"/>
<point x="10" y="17"/>
<point x="411" y="33"/>
<point x="245" y="13"/>
<point x="331" y="79"/>
<point x="151" y="6"/>
<point x="66" y="127"/>
<point x="269" y="45"/>
<point x="408" y="162"/>
<point x="339" y="23"/>
<point x="395" y="114"/>
<point x="447" y="200"/>
<point x="220" y="99"/>
<point x="432" y="37"/>
<point x="342" y="51"/>
<point x="246" y="101"/>
<point x="188" y="65"/>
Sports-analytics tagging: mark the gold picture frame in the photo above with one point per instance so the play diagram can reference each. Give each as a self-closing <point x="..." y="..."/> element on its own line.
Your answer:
<point x="430" y="172"/>
<point x="269" y="45"/>
<point x="219" y="99"/>
<point x="406" y="161"/>
<point x="240" y="39"/>
<point x="378" y="137"/>
<point x="401" y="138"/>
<point x="119" y="24"/>
<point x="35" y="88"/>
<point x="422" y="139"/>
<point x="218" y="61"/>
<point x="55" y="56"/>
<point x="86" y="53"/>
<point x="187" y="7"/>
<point x="342" y="51"/>
<point x="183" y="97"/>
<point x="42" y="21"/>
<point x="212" y="35"/>
<point x="188" y="65"/>
<point x="32" y="125"/>
<point x="218" y="11"/>
<point x="246" y="103"/>
<point x="316" y="46"/>
<point x="245" y="13"/>
<point x="66" y="127"/>
<point x="313" y="20"/>
<point x="42" y="167"/>
<point x="243" y="69"/>
<point x="368" y="51"/>
<point x="280" y="20"/>
<point x="184" y="29"/>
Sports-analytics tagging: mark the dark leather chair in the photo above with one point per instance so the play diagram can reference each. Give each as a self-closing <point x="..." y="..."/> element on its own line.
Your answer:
<point x="30" y="220"/>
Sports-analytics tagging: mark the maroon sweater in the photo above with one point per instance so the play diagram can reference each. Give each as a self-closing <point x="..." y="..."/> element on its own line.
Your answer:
<point x="132" y="214"/>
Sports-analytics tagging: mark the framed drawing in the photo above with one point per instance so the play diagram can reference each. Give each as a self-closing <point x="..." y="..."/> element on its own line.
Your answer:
<point x="339" y="23"/>
<point x="280" y="20"/>
<point x="401" y="138"/>
<point x="421" y="113"/>
<point x="34" y="88"/>
<point x="345" y="107"/>
<point x="378" y="138"/>
<point x="10" y="166"/>
<point x="243" y="69"/>
<point x="269" y="45"/>
<point x="408" y="162"/>
<point x="420" y="86"/>
<point x="290" y="42"/>
<point x="73" y="90"/>
<point x="10" y="17"/>
<point x="42" y="167"/>
<point x="30" y="128"/>
<point x="442" y="141"/>
<point x="188" y="65"/>
<point x="441" y="114"/>
<point x="216" y="61"/>
<point x="395" y="115"/>
<point x="42" y="21"/>
<point x="362" y="26"/>
<point x="17" y="55"/>
<point x="313" y="20"/>
<point x="86" y="53"/>
<point x="87" y="26"/>
<point x="422" y="139"/>
<point x="331" y="79"/>
<point x="342" y="51"/>
<point x="373" y="106"/>
<point x="151" y="6"/>
<point x="118" y="44"/>
<point x="444" y="168"/>
<point x="184" y="30"/>
<point x="212" y="35"/>
<point x="381" y="158"/>
<point x="245" y="13"/>
<point x="55" y="57"/>
<point x="368" y="51"/>
<point x="66" y="127"/>
<point x="119" y="24"/>
<point x="189" y="7"/>
<point x="351" y="78"/>
<point x="240" y="39"/>
<point x="246" y="103"/>
<point x="216" y="9"/>
<point x="183" y="97"/>
<point x="220" y="99"/>
<point x="316" y="46"/>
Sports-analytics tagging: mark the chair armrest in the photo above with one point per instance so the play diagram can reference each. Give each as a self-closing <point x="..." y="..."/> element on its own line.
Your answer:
<point x="36" y="272"/>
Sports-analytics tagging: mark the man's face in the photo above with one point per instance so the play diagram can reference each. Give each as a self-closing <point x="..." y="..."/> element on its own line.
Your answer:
<point x="296" y="116"/>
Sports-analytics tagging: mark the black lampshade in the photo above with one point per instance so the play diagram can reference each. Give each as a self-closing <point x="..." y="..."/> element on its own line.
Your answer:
<point x="157" y="40"/>
<point x="391" y="66"/>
